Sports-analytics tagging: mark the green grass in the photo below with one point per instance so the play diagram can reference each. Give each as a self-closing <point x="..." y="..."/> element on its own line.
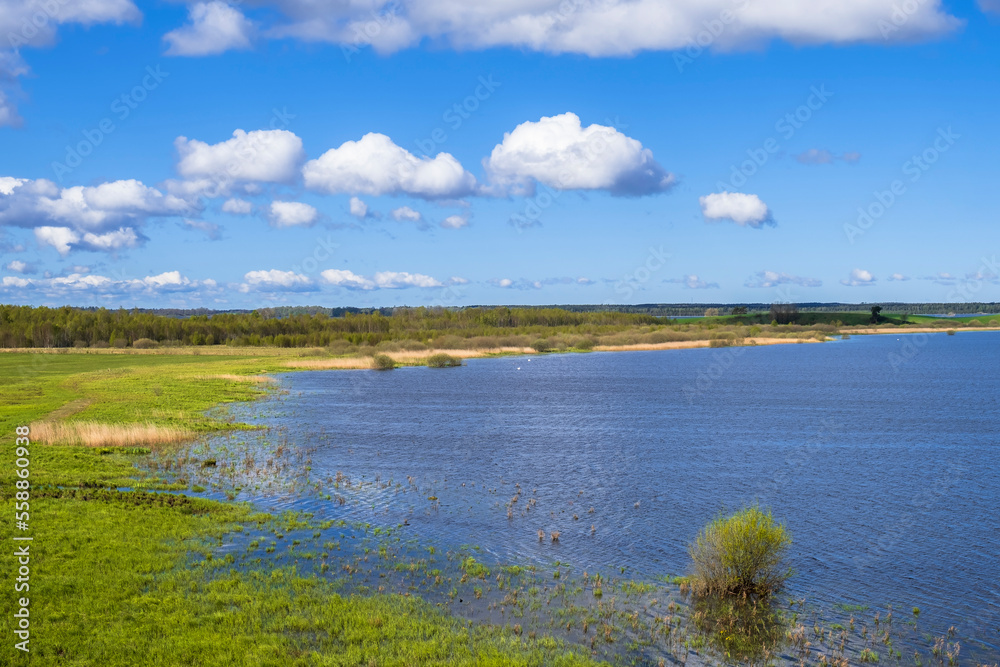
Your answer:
<point x="123" y="579"/>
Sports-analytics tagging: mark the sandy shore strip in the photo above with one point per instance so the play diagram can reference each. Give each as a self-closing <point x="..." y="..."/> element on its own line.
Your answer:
<point x="413" y="357"/>
<point x="689" y="344"/>
<point x="862" y="331"/>
<point x="419" y="357"/>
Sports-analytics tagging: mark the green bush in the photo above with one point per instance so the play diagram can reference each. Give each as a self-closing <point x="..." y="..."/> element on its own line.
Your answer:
<point x="541" y="345"/>
<point x="442" y="360"/>
<point x="741" y="554"/>
<point x="383" y="362"/>
<point x="975" y="323"/>
<point x="145" y="344"/>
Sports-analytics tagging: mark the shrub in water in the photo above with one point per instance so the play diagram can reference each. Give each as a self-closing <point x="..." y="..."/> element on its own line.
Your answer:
<point x="383" y="362"/>
<point x="443" y="360"/>
<point x="740" y="554"/>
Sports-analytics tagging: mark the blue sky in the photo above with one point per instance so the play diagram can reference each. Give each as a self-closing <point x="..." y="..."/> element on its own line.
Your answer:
<point x="433" y="152"/>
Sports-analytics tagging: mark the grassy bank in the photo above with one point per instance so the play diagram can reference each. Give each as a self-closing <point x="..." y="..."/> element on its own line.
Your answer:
<point x="126" y="578"/>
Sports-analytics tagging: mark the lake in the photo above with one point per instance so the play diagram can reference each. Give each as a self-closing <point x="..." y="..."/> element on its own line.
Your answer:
<point x="879" y="453"/>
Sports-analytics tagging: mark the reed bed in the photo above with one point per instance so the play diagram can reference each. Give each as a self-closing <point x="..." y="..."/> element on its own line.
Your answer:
<point x="89" y="434"/>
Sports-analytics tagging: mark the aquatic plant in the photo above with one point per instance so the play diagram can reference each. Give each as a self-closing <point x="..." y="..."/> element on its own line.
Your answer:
<point x="740" y="555"/>
<point x="868" y="655"/>
<point x="383" y="362"/>
<point x="442" y="360"/>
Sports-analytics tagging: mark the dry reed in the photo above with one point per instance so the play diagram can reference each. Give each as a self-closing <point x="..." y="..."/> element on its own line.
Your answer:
<point x="90" y="434"/>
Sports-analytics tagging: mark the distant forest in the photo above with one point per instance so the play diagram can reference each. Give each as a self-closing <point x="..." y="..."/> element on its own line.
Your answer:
<point x="26" y="326"/>
<point x="309" y="326"/>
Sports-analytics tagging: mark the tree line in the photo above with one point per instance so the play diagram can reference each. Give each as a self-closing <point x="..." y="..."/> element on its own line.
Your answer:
<point x="28" y="326"/>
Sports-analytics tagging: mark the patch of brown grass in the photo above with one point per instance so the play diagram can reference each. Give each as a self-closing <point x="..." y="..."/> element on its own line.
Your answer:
<point x="90" y="434"/>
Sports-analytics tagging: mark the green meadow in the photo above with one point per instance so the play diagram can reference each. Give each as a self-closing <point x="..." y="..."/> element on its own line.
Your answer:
<point x="126" y="577"/>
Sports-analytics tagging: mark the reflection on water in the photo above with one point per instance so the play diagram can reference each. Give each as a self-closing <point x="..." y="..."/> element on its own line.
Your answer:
<point x="882" y="463"/>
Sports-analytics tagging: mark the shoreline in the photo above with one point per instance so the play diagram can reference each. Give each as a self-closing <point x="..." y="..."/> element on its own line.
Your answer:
<point x="313" y="358"/>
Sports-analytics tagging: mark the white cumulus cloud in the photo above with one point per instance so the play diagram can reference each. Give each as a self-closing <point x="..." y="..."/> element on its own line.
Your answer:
<point x="13" y="281"/>
<point x="83" y="283"/>
<point x="743" y="209"/>
<point x="765" y="279"/>
<point x="562" y="154"/>
<point x="609" y="27"/>
<point x="85" y="208"/>
<point x="348" y="279"/>
<point x="406" y="214"/>
<point x="60" y="238"/>
<point x="692" y="281"/>
<point x="381" y="280"/>
<point x="455" y="221"/>
<point x="859" y="278"/>
<point x="267" y="156"/>
<point x="374" y="165"/>
<point x="275" y="280"/>
<point x="358" y="208"/>
<point x="214" y="27"/>
<point x="123" y="237"/>
<point x="292" y="214"/>
<point x="8" y="184"/>
<point x="398" y="280"/>
<point x="237" y="207"/>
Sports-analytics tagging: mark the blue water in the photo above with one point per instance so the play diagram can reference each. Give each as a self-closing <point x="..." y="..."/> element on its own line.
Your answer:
<point x="879" y="453"/>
